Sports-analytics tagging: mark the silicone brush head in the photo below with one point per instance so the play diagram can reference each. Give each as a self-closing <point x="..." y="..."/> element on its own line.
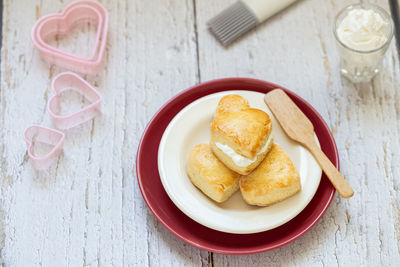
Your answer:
<point x="232" y="23"/>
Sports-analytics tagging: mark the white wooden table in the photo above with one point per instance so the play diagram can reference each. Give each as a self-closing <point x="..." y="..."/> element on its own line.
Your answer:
<point x="88" y="210"/>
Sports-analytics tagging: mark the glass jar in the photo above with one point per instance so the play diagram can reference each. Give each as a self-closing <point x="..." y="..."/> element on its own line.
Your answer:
<point x="362" y="65"/>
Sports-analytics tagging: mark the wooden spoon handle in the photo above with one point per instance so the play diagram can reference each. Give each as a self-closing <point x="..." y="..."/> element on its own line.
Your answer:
<point x="338" y="181"/>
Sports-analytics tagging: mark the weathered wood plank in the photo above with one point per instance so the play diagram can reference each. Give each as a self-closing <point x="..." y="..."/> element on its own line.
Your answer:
<point x="296" y="49"/>
<point x="88" y="210"/>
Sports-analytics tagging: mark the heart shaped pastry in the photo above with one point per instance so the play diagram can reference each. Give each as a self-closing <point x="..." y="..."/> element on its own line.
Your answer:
<point x="36" y="133"/>
<point x="240" y="135"/>
<point x="76" y="13"/>
<point x="274" y="180"/>
<point x="71" y="81"/>
<point x="210" y="175"/>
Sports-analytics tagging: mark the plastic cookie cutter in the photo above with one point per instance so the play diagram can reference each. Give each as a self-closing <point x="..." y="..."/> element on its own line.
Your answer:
<point x="72" y="17"/>
<point x="75" y="13"/>
<point x="36" y="133"/>
<point x="71" y="81"/>
<point x="54" y="24"/>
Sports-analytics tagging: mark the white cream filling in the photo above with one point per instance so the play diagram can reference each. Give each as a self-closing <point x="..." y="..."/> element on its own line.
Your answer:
<point x="239" y="159"/>
<point x="363" y="29"/>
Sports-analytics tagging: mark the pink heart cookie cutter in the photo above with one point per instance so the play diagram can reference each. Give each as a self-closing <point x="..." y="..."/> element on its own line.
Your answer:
<point x="71" y="81"/>
<point x="49" y="21"/>
<point x="61" y="23"/>
<point x="49" y="27"/>
<point x="36" y="133"/>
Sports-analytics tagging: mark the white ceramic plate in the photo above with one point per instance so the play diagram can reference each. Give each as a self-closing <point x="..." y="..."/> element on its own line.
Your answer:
<point x="191" y="127"/>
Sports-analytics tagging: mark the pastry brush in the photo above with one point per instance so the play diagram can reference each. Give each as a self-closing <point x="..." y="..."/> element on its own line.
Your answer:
<point x="243" y="16"/>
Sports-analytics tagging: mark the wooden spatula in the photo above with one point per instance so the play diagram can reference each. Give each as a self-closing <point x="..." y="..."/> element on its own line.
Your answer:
<point x="299" y="128"/>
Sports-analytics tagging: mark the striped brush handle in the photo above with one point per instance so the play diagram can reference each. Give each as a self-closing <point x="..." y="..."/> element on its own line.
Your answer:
<point x="243" y="16"/>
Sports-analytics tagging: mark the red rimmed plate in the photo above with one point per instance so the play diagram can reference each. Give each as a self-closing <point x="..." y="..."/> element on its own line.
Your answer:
<point x="200" y="236"/>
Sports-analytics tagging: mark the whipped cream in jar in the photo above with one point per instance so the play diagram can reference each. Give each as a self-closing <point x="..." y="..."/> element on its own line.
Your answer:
<point x="363" y="33"/>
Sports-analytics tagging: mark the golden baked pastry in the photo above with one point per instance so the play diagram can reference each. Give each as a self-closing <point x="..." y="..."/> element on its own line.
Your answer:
<point x="274" y="180"/>
<point x="210" y="175"/>
<point x="240" y="135"/>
